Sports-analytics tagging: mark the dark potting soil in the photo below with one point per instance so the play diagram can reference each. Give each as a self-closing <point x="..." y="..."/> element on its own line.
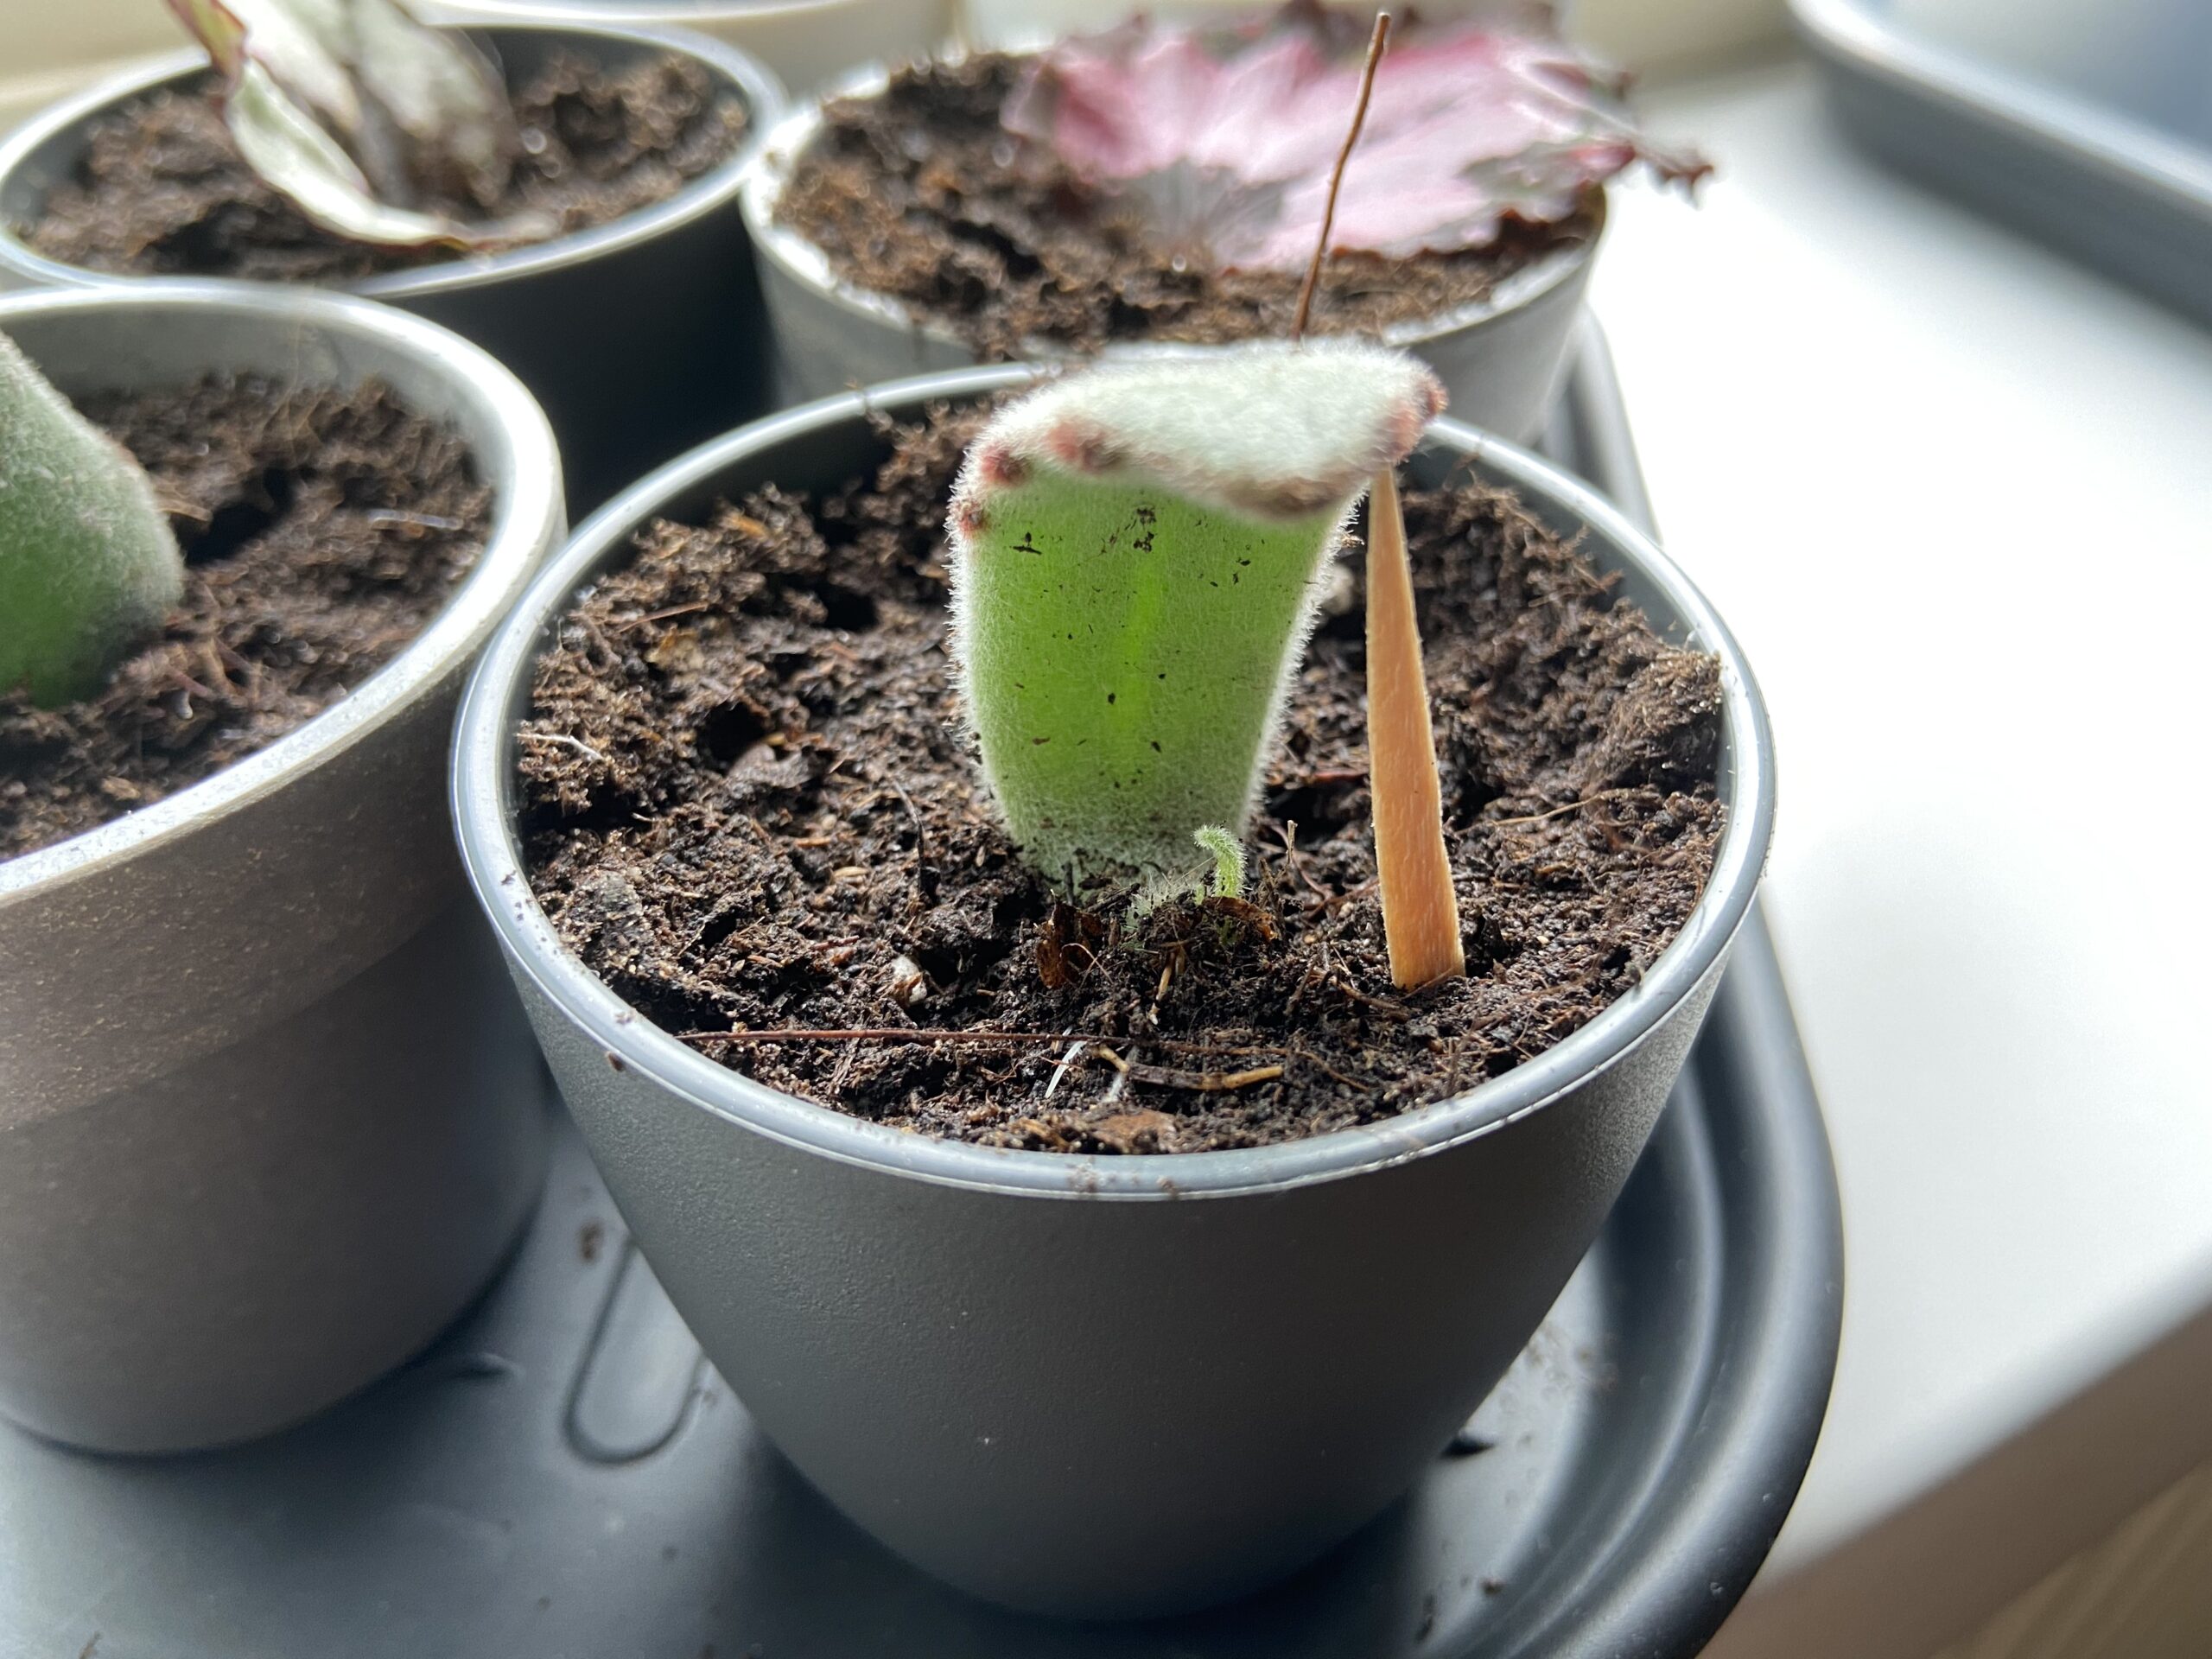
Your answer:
<point x="920" y="194"/>
<point x="161" y="190"/>
<point x="750" y="801"/>
<point x="321" y="531"/>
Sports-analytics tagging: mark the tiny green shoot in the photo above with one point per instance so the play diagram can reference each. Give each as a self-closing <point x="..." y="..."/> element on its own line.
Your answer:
<point x="1228" y="860"/>
<point x="1223" y="879"/>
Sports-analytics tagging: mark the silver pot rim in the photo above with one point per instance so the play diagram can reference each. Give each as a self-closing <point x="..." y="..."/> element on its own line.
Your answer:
<point x="527" y="514"/>
<point x="768" y="170"/>
<point x="713" y="190"/>
<point x="484" y="798"/>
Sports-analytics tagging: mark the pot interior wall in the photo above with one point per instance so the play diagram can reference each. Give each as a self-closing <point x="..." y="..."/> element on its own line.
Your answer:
<point x="24" y="189"/>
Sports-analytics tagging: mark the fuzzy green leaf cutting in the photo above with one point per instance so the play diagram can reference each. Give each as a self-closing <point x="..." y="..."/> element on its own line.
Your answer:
<point x="88" y="568"/>
<point x="1139" y="551"/>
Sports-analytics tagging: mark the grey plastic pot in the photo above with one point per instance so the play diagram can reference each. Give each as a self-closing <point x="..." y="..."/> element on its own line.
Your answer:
<point x="1500" y="360"/>
<point x="640" y="338"/>
<point x="269" y="1116"/>
<point x="1101" y="1386"/>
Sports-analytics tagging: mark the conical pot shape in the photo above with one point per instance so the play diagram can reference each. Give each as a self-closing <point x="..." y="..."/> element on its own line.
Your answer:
<point x="1501" y="358"/>
<point x="267" y="1111"/>
<point x="1104" y="1387"/>
<point x="639" y="337"/>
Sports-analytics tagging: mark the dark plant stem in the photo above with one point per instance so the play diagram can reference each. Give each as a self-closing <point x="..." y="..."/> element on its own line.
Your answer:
<point x="1376" y="44"/>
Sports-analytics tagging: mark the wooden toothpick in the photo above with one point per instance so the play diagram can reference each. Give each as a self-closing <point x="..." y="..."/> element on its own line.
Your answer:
<point x="1376" y="44"/>
<point x="1420" y="914"/>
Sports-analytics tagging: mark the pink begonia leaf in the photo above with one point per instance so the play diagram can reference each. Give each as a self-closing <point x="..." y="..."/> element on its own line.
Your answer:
<point x="1226" y="134"/>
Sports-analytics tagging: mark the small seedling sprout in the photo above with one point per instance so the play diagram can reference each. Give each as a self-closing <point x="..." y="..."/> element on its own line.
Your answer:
<point x="357" y="112"/>
<point x="88" y="568"/>
<point x="1223" y="878"/>
<point x="1227" y="861"/>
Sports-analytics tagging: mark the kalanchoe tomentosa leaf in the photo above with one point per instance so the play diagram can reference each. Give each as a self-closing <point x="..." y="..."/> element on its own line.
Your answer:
<point x="356" y="112"/>
<point x="88" y="568"/>
<point x="1226" y="134"/>
<point x="1138" y="552"/>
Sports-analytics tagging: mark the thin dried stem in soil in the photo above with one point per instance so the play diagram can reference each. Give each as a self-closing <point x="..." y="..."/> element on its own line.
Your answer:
<point x="1557" y="811"/>
<point x="1375" y="45"/>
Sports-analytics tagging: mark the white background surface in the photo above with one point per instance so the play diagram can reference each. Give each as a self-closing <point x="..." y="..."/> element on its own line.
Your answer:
<point x="1954" y="496"/>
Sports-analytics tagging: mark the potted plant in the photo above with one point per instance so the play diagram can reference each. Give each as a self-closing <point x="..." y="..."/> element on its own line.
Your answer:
<point x="804" y="42"/>
<point x="569" y="205"/>
<point x="1110" y="1223"/>
<point x="268" y="1117"/>
<point x="1163" y="180"/>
